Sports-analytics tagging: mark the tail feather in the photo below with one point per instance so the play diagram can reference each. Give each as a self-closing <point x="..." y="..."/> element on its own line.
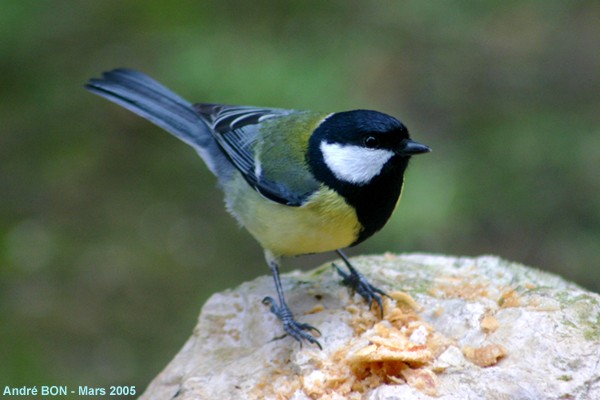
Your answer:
<point x="153" y="101"/>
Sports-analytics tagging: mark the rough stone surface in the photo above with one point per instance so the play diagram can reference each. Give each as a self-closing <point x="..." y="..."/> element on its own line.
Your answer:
<point x="457" y="328"/>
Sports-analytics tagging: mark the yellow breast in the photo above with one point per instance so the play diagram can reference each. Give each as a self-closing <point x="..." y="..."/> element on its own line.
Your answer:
<point x="324" y="223"/>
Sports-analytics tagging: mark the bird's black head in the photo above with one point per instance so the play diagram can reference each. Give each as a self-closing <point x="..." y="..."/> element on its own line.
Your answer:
<point x="362" y="155"/>
<point x="356" y="147"/>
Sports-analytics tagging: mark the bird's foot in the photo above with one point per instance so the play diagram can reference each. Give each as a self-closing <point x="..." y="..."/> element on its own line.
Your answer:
<point x="357" y="282"/>
<point x="292" y="327"/>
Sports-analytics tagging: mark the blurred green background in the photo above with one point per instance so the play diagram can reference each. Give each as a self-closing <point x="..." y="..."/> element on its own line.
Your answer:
<point x="112" y="233"/>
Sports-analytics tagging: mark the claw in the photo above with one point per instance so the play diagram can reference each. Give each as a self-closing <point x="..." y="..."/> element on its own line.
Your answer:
<point x="292" y="327"/>
<point x="281" y="310"/>
<point x="359" y="283"/>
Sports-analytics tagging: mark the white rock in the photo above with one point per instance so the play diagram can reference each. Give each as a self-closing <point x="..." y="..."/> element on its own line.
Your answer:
<point x="464" y="328"/>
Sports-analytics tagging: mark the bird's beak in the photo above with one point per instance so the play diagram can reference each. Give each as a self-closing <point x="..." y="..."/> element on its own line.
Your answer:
<point x="411" y="148"/>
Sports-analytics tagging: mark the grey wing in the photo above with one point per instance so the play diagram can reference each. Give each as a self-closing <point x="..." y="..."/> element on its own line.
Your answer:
<point x="236" y="129"/>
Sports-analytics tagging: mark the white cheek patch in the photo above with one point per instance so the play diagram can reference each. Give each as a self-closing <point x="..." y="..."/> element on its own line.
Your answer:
<point x="354" y="164"/>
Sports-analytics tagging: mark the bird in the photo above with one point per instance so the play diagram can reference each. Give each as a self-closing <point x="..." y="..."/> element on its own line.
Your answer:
<point x="300" y="182"/>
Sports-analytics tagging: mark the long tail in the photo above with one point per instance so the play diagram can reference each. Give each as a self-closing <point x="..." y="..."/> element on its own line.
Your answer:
<point x="149" y="99"/>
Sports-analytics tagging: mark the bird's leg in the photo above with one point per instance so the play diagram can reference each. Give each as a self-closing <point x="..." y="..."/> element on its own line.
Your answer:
<point x="359" y="283"/>
<point x="292" y="327"/>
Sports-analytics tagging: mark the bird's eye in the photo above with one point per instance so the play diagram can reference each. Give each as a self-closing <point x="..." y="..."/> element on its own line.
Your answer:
<point x="371" y="142"/>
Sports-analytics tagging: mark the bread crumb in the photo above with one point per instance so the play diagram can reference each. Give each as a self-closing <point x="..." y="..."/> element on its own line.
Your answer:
<point x="485" y="356"/>
<point x="405" y="298"/>
<point x="510" y="298"/>
<point x="316" y="309"/>
<point x="422" y="379"/>
<point x="489" y="323"/>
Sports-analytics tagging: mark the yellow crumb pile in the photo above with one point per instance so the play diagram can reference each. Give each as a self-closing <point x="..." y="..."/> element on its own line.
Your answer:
<point x="400" y="349"/>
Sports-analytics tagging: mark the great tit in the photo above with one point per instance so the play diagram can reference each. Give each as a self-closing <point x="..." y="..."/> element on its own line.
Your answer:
<point x="299" y="181"/>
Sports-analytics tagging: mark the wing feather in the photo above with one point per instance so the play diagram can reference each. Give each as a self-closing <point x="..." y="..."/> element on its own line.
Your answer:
<point x="236" y="129"/>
